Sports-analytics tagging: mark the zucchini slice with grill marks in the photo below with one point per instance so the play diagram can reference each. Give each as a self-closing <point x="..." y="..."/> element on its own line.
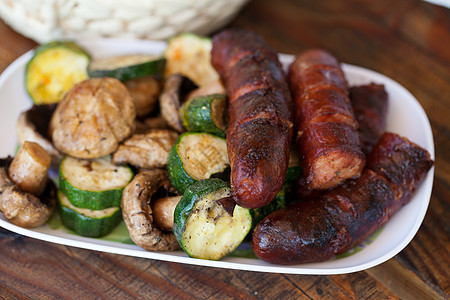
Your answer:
<point x="203" y="227"/>
<point x="205" y="114"/>
<point x="190" y="55"/>
<point x="127" y="67"/>
<point x="54" y="69"/>
<point x="86" y="222"/>
<point x="196" y="156"/>
<point x="93" y="184"/>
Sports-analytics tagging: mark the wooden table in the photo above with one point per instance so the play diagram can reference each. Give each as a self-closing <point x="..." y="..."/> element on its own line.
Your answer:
<point x="407" y="40"/>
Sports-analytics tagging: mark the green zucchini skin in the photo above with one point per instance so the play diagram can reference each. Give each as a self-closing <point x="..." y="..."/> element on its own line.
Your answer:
<point x="178" y="176"/>
<point x="87" y="226"/>
<point x="187" y="202"/>
<point x="223" y="233"/>
<point x="200" y="114"/>
<point x="177" y="172"/>
<point x="94" y="200"/>
<point x="70" y="45"/>
<point x="153" y="67"/>
<point x="90" y="199"/>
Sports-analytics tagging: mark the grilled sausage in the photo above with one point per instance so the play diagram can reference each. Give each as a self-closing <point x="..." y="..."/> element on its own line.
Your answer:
<point x="369" y="104"/>
<point x="260" y="115"/>
<point x="327" y="136"/>
<point x="318" y="229"/>
<point x="331" y="153"/>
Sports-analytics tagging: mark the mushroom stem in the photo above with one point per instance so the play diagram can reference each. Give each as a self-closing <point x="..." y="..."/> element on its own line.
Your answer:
<point x="29" y="168"/>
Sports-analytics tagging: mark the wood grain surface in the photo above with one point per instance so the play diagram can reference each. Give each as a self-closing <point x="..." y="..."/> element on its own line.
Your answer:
<point x="407" y="40"/>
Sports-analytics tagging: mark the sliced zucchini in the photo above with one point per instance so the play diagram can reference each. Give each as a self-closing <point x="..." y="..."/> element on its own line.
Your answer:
<point x="196" y="156"/>
<point x="93" y="184"/>
<point x="86" y="222"/>
<point x="202" y="227"/>
<point x="190" y="55"/>
<point x="54" y="69"/>
<point x="127" y="66"/>
<point x="205" y="114"/>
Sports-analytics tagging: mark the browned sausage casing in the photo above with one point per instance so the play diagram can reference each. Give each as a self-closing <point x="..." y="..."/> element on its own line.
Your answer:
<point x="370" y="103"/>
<point x="327" y="136"/>
<point x="260" y="115"/>
<point x="318" y="229"/>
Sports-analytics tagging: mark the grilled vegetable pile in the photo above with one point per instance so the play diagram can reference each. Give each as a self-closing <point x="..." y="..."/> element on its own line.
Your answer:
<point x="115" y="131"/>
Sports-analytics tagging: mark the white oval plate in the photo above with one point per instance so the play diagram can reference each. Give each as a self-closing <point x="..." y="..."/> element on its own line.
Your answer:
<point x="406" y="117"/>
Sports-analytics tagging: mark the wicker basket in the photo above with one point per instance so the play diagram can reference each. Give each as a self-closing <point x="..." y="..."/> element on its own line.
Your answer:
<point x="46" y="20"/>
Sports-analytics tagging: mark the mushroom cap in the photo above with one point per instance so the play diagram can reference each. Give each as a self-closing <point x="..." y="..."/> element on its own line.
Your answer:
<point x="148" y="150"/>
<point x="93" y="118"/>
<point x="138" y="215"/>
<point x="176" y="88"/>
<point x="21" y="208"/>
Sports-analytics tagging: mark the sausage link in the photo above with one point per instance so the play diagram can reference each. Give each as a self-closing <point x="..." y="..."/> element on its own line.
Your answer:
<point x="225" y="52"/>
<point x="318" y="229"/>
<point x="403" y="163"/>
<point x="369" y="104"/>
<point x="260" y="115"/>
<point x="254" y="72"/>
<point x="325" y="106"/>
<point x="331" y="153"/>
<point x="320" y="94"/>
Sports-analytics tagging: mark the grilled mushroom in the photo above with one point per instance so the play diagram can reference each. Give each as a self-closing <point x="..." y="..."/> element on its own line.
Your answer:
<point x="93" y="118"/>
<point x="5" y="181"/>
<point x="29" y="169"/>
<point x="147" y="151"/>
<point x="25" y="209"/>
<point x="32" y="126"/>
<point x="144" y="92"/>
<point x="150" y="123"/>
<point x="138" y="214"/>
<point x="22" y="208"/>
<point x="163" y="209"/>
<point x="214" y="87"/>
<point x="175" y="89"/>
